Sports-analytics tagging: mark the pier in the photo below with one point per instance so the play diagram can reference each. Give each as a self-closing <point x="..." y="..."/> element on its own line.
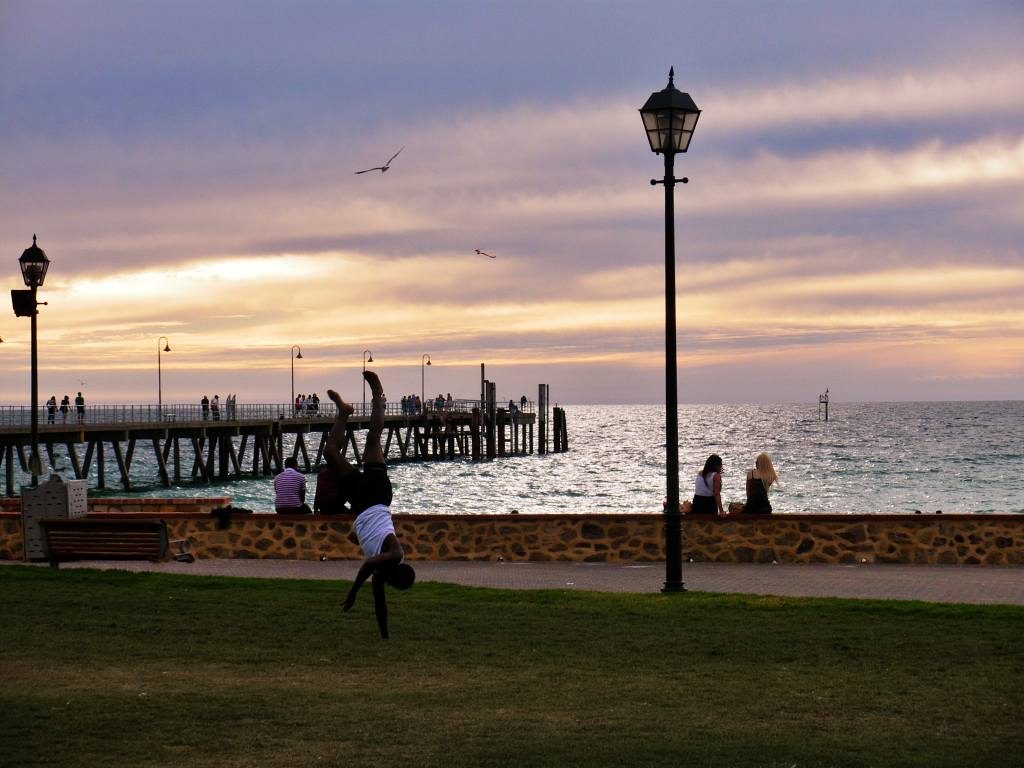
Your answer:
<point x="248" y="440"/>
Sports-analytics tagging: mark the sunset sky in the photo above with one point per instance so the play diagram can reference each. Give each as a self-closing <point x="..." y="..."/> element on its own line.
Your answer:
<point x="854" y="217"/>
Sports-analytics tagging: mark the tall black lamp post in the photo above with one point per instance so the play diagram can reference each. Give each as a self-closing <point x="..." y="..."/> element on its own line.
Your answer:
<point x="670" y="117"/>
<point x="294" y="357"/>
<point x="33" y="263"/>
<point x="160" y="377"/>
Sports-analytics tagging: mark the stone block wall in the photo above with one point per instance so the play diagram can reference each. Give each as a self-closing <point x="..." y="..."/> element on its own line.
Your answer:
<point x="924" y="539"/>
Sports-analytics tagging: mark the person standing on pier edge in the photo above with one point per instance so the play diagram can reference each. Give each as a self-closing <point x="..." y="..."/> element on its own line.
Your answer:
<point x="215" y="407"/>
<point x="80" y="407"/>
<point x="205" y="405"/>
<point x="369" y="494"/>
<point x="65" y="406"/>
<point x="51" y="409"/>
<point x="707" y="496"/>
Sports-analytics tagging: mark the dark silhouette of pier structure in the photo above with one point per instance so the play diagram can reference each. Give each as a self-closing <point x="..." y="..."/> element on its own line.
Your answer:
<point x="249" y="441"/>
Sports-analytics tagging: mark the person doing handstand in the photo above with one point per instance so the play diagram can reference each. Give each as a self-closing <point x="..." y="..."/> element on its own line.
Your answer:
<point x="368" y="492"/>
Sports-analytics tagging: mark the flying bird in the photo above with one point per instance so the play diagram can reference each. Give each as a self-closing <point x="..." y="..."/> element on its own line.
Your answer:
<point x="484" y="253"/>
<point x="382" y="168"/>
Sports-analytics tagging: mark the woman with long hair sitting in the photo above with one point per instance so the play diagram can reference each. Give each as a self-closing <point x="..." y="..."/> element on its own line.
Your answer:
<point x="760" y="479"/>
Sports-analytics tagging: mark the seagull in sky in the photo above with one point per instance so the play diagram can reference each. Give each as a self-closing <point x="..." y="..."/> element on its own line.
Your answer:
<point x="484" y="253"/>
<point x="382" y="168"/>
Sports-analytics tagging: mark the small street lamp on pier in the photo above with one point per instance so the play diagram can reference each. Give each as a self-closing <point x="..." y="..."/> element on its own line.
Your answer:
<point x="33" y="263"/>
<point x="294" y="357"/>
<point x="670" y="117"/>
<point x="424" y="361"/>
<point x="159" y="377"/>
<point x="367" y="358"/>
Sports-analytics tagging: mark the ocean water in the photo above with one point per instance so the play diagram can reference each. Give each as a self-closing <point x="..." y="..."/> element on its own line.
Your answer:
<point x="868" y="458"/>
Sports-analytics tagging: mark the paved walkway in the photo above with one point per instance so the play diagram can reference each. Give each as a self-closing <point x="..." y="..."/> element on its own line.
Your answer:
<point x="931" y="583"/>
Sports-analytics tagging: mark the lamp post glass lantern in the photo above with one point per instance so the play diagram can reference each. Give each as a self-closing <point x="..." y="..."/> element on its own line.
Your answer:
<point x="367" y="358"/>
<point x="159" y="377"/>
<point x="424" y="361"/>
<point x="294" y="357"/>
<point x="33" y="264"/>
<point x="670" y="117"/>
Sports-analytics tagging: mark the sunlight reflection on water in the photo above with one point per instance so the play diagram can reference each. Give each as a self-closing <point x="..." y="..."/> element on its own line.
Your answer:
<point x="870" y="457"/>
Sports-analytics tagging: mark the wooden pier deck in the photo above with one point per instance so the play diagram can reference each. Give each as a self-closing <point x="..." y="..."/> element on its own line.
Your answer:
<point x="208" y="450"/>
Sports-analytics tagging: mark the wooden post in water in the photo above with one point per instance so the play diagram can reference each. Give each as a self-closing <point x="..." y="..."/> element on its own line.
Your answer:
<point x="500" y="422"/>
<point x="543" y="392"/>
<point x="557" y="429"/>
<point x="491" y="418"/>
<point x="475" y="434"/>
<point x="823" y="400"/>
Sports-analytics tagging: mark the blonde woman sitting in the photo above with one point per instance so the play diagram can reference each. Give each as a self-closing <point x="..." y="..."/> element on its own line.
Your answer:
<point x="759" y="482"/>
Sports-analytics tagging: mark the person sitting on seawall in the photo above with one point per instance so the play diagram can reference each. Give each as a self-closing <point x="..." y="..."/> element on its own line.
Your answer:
<point x="290" y="490"/>
<point x="759" y="481"/>
<point x="707" y="496"/>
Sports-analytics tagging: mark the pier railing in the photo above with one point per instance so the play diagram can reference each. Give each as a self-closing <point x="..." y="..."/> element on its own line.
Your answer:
<point x="98" y="415"/>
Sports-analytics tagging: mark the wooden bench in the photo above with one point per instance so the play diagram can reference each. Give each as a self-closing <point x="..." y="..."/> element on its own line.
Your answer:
<point x="84" y="538"/>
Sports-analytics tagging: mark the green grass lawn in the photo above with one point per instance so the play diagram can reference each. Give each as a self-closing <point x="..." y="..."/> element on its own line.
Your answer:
<point x="109" y="668"/>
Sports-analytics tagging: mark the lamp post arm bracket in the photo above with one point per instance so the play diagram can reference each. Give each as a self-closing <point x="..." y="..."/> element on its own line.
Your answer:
<point x="673" y="181"/>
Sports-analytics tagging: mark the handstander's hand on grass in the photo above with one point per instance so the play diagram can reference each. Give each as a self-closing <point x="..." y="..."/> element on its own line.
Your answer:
<point x="370" y="568"/>
<point x="350" y="600"/>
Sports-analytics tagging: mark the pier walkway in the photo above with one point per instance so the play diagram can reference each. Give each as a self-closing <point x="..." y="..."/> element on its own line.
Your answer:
<point x="929" y="583"/>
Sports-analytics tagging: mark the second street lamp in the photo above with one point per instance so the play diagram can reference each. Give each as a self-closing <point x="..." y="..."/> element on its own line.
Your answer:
<point x="670" y="117"/>
<point x="294" y="357"/>
<point x="367" y="358"/>
<point x="159" y="377"/>
<point x="424" y="361"/>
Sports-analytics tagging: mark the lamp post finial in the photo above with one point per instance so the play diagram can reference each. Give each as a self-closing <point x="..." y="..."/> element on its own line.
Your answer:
<point x="671" y="76"/>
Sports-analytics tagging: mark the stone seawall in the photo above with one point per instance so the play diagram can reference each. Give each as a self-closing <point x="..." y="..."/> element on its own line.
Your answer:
<point x="923" y="539"/>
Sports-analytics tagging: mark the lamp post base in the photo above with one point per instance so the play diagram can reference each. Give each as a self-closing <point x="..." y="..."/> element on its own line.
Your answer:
<point x="673" y="586"/>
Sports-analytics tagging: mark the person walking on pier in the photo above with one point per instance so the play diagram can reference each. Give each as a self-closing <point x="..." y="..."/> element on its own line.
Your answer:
<point x="80" y="407"/>
<point x="368" y="491"/>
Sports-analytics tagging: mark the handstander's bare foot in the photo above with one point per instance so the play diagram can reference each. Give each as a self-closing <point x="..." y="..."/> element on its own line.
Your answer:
<point x="343" y="407"/>
<point x="374" y="381"/>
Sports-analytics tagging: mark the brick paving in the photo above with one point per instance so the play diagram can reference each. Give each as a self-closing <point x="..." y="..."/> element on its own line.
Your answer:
<point x="930" y="583"/>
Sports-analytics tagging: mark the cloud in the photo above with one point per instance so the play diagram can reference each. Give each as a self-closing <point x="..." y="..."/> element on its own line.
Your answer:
<point x="948" y="98"/>
<point x="874" y="214"/>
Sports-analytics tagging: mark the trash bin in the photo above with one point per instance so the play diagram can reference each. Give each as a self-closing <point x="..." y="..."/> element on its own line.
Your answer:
<point x="54" y="498"/>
